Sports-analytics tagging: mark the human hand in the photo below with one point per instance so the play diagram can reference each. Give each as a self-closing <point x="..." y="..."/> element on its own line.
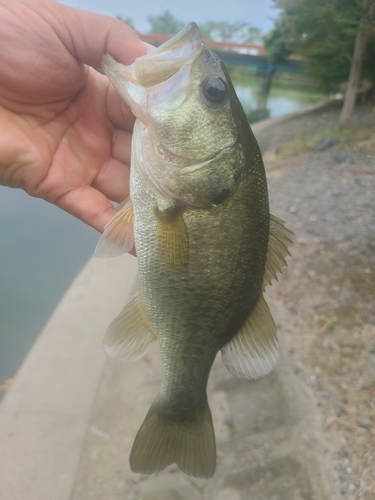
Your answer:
<point x="65" y="133"/>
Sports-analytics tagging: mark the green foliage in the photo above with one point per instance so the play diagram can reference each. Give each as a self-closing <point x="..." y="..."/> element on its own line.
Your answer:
<point x="238" y="32"/>
<point x="165" y="24"/>
<point x="278" y="46"/>
<point x="127" y="20"/>
<point x="254" y="35"/>
<point x="322" y="32"/>
<point x="303" y="142"/>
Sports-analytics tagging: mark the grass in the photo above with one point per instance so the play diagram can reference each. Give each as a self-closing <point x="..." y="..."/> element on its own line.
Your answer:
<point x="304" y="142"/>
<point x="358" y="137"/>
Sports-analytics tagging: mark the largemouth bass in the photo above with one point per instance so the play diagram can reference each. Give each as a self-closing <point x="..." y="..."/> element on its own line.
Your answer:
<point x="206" y="244"/>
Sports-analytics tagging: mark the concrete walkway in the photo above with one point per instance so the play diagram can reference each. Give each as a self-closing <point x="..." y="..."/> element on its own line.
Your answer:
<point x="68" y="422"/>
<point x="44" y="416"/>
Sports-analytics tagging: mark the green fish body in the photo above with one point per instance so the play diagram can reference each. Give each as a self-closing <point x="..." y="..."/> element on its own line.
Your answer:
<point x="205" y="241"/>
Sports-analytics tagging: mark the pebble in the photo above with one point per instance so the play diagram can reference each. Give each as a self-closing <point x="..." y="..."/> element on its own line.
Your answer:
<point x="327" y="143"/>
<point x="348" y="450"/>
<point x="99" y="433"/>
<point x="326" y="395"/>
<point x="365" y="424"/>
<point x="341" y="158"/>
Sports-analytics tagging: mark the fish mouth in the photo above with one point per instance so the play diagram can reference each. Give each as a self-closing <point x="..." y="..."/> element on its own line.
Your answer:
<point x="162" y="63"/>
<point x="148" y="74"/>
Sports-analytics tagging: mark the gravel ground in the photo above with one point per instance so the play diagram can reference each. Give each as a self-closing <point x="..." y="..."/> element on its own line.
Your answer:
<point x="327" y="198"/>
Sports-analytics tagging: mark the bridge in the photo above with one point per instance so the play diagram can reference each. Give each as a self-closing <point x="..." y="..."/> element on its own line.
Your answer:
<point x="258" y="61"/>
<point x="239" y="54"/>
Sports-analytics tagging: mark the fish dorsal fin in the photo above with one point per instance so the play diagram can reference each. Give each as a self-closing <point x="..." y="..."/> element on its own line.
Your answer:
<point x="118" y="235"/>
<point x="129" y="335"/>
<point x="278" y="243"/>
<point x="253" y="353"/>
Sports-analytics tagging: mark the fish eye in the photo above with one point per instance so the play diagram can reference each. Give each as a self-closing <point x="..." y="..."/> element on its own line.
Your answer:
<point x="214" y="89"/>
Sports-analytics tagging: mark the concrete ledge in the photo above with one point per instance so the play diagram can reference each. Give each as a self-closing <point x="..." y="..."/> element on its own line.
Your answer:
<point x="43" y="417"/>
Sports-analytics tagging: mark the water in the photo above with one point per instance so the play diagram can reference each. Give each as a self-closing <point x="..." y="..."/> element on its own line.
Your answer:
<point x="282" y="100"/>
<point x="42" y="248"/>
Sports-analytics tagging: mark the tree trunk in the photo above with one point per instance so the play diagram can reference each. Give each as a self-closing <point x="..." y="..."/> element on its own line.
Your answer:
<point x="354" y="76"/>
<point x="360" y="45"/>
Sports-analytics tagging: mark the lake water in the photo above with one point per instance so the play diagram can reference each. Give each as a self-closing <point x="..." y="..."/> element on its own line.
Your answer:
<point x="281" y="100"/>
<point x="42" y="248"/>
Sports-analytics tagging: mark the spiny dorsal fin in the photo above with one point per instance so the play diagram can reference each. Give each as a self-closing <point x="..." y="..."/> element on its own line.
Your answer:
<point x="118" y="235"/>
<point x="129" y="335"/>
<point x="252" y="353"/>
<point x="278" y="243"/>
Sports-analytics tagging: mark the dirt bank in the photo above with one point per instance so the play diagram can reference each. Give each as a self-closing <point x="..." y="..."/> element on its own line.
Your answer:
<point x="327" y="196"/>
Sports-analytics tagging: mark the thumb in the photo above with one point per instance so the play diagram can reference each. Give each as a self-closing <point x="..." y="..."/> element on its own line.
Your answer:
<point x="88" y="36"/>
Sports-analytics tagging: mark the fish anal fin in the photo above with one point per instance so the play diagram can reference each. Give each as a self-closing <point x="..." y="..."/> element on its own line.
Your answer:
<point x="161" y="441"/>
<point x="129" y="335"/>
<point x="253" y="352"/>
<point x="172" y="238"/>
<point x="278" y="243"/>
<point x="118" y="235"/>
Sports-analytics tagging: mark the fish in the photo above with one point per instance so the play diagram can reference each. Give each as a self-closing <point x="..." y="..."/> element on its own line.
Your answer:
<point x="207" y="246"/>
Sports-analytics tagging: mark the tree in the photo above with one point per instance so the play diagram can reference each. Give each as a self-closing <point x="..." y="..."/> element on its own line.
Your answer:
<point x="276" y="43"/>
<point x="237" y="32"/>
<point x="324" y="33"/>
<point x="254" y="35"/>
<point x="165" y="24"/>
<point x="126" y="20"/>
<point x="363" y="36"/>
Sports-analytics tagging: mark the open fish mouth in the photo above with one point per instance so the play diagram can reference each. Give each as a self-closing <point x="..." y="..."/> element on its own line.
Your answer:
<point x="162" y="63"/>
<point x="161" y="72"/>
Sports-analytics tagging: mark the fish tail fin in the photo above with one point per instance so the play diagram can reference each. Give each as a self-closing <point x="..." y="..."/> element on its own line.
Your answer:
<point x="162" y="441"/>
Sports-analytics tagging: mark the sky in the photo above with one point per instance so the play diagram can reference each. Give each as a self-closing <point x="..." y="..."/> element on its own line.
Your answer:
<point x="258" y="13"/>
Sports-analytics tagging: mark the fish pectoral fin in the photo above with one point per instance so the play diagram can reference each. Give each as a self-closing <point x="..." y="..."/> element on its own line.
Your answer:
<point x="129" y="335"/>
<point x="253" y="352"/>
<point x="278" y="243"/>
<point x="162" y="441"/>
<point x="118" y="235"/>
<point x="172" y="239"/>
